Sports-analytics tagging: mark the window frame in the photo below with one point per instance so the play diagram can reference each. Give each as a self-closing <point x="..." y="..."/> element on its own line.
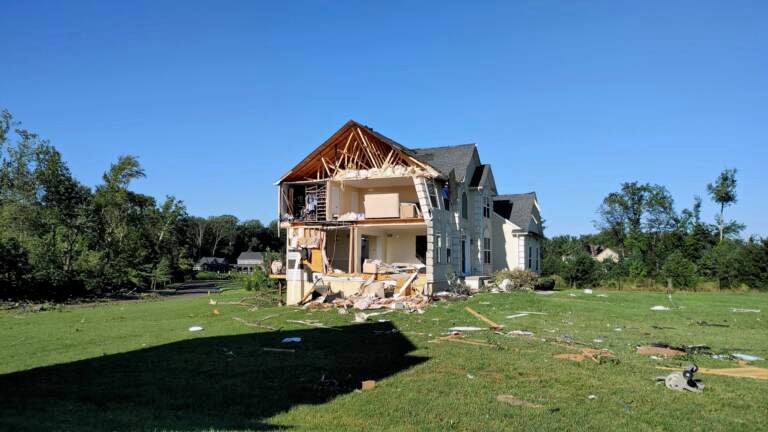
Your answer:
<point x="486" y="250"/>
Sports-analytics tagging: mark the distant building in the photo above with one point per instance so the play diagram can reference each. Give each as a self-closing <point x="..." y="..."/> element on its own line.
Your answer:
<point x="601" y="253"/>
<point x="247" y="261"/>
<point x="211" y="264"/>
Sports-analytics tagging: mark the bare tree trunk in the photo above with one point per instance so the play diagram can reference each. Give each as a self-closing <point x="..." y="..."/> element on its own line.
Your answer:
<point x="722" y="221"/>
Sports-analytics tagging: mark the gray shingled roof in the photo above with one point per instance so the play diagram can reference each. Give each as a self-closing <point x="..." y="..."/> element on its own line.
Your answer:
<point x="479" y="176"/>
<point x="447" y="158"/>
<point x="518" y="208"/>
<point x="249" y="255"/>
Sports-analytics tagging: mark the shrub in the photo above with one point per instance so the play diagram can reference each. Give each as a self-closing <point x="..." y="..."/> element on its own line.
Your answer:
<point x="680" y="270"/>
<point x="519" y="278"/>
<point x="580" y="270"/>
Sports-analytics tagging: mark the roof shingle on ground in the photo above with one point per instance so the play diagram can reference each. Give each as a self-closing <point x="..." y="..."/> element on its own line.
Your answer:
<point x="447" y="158"/>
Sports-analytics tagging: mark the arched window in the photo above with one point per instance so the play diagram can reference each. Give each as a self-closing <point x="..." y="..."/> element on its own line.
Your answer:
<point x="464" y="205"/>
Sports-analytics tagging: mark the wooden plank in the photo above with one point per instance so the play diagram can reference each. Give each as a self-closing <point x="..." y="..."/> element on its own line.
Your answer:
<point x="491" y="324"/>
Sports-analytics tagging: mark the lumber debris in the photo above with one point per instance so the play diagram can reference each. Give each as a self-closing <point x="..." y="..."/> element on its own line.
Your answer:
<point x="586" y="353"/>
<point x="492" y="325"/>
<point x="742" y="371"/>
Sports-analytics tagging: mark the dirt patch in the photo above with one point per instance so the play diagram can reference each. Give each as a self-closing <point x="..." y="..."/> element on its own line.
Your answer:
<point x="587" y="353"/>
<point x="659" y="351"/>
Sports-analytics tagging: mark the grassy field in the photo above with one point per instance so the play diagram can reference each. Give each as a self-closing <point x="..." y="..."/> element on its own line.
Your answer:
<point x="135" y="366"/>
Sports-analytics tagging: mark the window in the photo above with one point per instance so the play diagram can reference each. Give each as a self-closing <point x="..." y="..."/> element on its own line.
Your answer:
<point x="446" y="192"/>
<point x="486" y="250"/>
<point x="464" y="205"/>
<point x="537" y="260"/>
<point x="486" y="207"/>
<point x="530" y="256"/>
<point x="432" y="189"/>
<point x="438" y="249"/>
<point x="448" y="255"/>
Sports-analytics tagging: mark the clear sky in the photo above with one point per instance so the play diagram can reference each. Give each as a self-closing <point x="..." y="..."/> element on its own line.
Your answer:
<point x="568" y="99"/>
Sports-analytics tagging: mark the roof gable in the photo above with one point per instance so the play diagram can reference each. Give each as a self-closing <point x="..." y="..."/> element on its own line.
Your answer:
<point x="520" y="209"/>
<point x="355" y="147"/>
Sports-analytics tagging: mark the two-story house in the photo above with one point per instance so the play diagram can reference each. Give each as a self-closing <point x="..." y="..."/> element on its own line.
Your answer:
<point x="361" y="197"/>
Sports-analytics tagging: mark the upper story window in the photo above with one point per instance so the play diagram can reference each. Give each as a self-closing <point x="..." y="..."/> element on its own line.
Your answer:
<point x="464" y="205"/>
<point x="486" y="250"/>
<point x="446" y="194"/>
<point x="486" y="207"/>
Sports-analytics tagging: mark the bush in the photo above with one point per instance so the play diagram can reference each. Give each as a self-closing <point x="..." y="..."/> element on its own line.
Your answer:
<point x="519" y="278"/>
<point x="580" y="271"/>
<point x="680" y="270"/>
<point x="545" y="284"/>
<point x="255" y="280"/>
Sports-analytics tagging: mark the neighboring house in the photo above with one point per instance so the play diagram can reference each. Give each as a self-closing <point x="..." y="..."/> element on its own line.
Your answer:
<point x="211" y="264"/>
<point x="362" y="196"/>
<point x="247" y="261"/>
<point x="600" y="253"/>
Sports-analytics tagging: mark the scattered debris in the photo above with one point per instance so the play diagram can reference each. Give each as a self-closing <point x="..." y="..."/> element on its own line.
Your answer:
<point x="739" y="372"/>
<point x="313" y="323"/>
<point x="707" y="324"/>
<point x="598" y="340"/>
<point x="470" y="376"/>
<point x="571" y="295"/>
<point x="447" y="295"/>
<point x="368" y="385"/>
<point x="591" y="397"/>
<point x="745" y="310"/>
<point x="660" y="308"/>
<point x="520" y="333"/>
<point x="465" y="328"/>
<point x="602" y="295"/>
<point x="518" y="315"/>
<point x="593" y="354"/>
<point x="587" y="291"/>
<point x="257" y="323"/>
<point x="492" y="325"/>
<point x="682" y="381"/>
<point x="746" y="357"/>
<point x="515" y="401"/>
<point x="195" y="329"/>
<point x="531" y="313"/>
<point x="544" y="293"/>
<point x="291" y="340"/>
<point x="659" y="351"/>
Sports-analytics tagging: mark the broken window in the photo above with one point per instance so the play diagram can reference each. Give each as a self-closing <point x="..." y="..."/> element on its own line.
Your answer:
<point x="421" y="248"/>
<point x="446" y="194"/>
<point x="432" y="188"/>
<point x="486" y="250"/>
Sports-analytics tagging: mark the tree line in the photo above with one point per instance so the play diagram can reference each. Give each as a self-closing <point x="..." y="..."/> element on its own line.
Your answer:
<point x="656" y="244"/>
<point x="60" y="238"/>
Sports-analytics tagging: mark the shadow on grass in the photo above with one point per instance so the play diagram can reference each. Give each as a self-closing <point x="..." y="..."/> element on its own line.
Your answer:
<point x="226" y="382"/>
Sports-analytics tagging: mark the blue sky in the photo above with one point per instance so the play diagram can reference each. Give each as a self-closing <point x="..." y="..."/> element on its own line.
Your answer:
<point x="569" y="99"/>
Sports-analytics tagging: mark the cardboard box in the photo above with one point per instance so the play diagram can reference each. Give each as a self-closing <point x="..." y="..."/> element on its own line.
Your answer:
<point x="370" y="267"/>
<point x="408" y="211"/>
<point x="381" y="205"/>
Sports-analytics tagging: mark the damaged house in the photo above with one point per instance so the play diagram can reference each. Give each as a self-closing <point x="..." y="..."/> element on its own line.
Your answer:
<point x="362" y="208"/>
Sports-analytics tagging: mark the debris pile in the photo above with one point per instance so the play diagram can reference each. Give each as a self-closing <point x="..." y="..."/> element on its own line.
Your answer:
<point x="397" y="286"/>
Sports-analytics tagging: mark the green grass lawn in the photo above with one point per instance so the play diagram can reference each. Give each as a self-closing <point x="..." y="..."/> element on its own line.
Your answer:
<point x="135" y="366"/>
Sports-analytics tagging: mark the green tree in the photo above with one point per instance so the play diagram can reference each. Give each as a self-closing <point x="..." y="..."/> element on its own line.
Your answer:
<point x="680" y="270"/>
<point x="723" y="263"/>
<point x="723" y="192"/>
<point x="580" y="270"/>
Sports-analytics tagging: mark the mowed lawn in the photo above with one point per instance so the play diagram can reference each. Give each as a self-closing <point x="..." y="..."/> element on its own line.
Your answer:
<point x="136" y="366"/>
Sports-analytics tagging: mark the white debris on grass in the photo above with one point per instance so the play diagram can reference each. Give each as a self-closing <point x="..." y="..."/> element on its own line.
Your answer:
<point x="520" y="333"/>
<point x="745" y="310"/>
<point x="587" y="291"/>
<point x="466" y="329"/>
<point x="531" y="313"/>
<point x="195" y="329"/>
<point x="518" y="315"/>
<point x="602" y="295"/>
<point x="746" y="357"/>
<point x="660" y="308"/>
<point x="591" y="397"/>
